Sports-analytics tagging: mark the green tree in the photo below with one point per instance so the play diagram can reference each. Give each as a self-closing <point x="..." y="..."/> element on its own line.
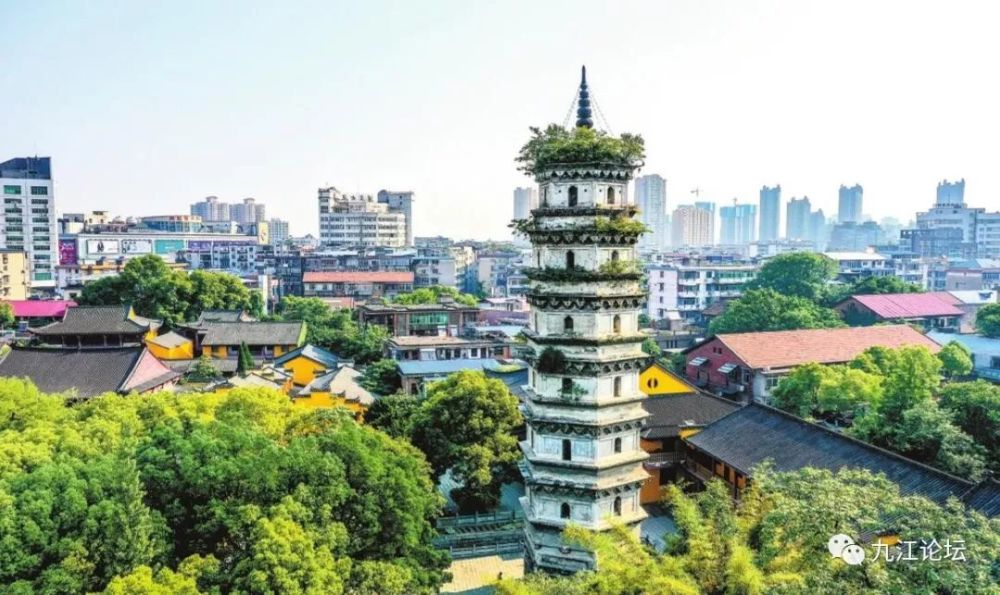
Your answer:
<point x="988" y="320"/>
<point x="956" y="359"/>
<point x="433" y="294"/>
<point x="467" y="424"/>
<point x="651" y="347"/>
<point x="767" y="310"/>
<point x="797" y="274"/>
<point x="204" y="370"/>
<point x="335" y="330"/>
<point x="244" y="361"/>
<point x="975" y="408"/>
<point x="838" y="391"/>
<point x="644" y="320"/>
<point x="393" y="414"/>
<point x="381" y="377"/>
<point x="6" y="315"/>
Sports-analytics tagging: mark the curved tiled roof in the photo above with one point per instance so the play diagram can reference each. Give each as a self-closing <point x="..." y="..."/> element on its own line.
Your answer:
<point x="87" y="372"/>
<point x="99" y="320"/>
<point x="252" y="333"/>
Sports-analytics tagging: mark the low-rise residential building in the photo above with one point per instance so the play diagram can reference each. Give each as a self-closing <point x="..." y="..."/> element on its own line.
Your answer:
<point x="745" y="365"/>
<point x="853" y="266"/>
<point x="441" y="347"/>
<point x="985" y="352"/>
<point x="357" y="284"/>
<point x="35" y="313"/>
<point x="689" y="286"/>
<point x="85" y="373"/>
<point x="414" y="375"/>
<point x="444" y="318"/>
<point x="98" y="326"/>
<point x="15" y="279"/>
<point x="933" y="310"/>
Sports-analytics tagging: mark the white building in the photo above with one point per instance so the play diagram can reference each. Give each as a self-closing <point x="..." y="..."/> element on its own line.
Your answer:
<point x="525" y="200"/>
<point x="29" y="217"/>
<point x="400" y="202"/>
<point x="278" y="229"/>
<point x="583" y="407"/>
<point x="689" y="286"/>
<point x="249" y="211"/>
<point x="211" y="209"/>
<point x="359" y="220"/>
<point x="692" y="227"/>
<point x="650" y="194"/>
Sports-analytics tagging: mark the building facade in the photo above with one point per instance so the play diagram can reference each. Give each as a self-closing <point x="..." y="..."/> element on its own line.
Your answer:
<point x="691" y="227"/>
<point x="359" y="220"/>
<point x="29" y="217"/>
<point x="708" y="207"/>
<point x="691" y="285"/>
<point x="650" y="194"/>
<point x="738" y="225"/>
<point x="797" y="215"/>
<point x="400" y="201"/>
<point x="583" y="407"/>
<point x="770" y="213"/>
<point x="953" y="229"/>
<point x="278" y="231"/>
<point x="849" y="206"/>
<point x="249" y="211"/>
<point x="14" y="275"/>
<point x="525" y="200"/>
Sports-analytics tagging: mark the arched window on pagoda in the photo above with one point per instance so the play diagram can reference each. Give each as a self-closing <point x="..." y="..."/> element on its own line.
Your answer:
<point x="618" y="445"/>
<point x="618" y="386"/>
<point x="618" y="506"/>
<point x="614" y="256"/>
<point x="568" y="324"/>
<point x="572" y="196"/>
<point x="567" y="450"/>
<point x="570" y="259"/>
<point x="564" y="511"/>
<point x="616" y="324"/>
<point x="611" y="195"/>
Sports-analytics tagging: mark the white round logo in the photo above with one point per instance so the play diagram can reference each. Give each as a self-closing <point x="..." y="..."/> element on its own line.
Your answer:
<point x="853" y="554"/>
<point x="837" y="544"/>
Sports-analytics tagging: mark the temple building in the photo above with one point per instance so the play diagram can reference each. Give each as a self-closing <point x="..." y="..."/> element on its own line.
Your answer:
<point x="583" y="461"/>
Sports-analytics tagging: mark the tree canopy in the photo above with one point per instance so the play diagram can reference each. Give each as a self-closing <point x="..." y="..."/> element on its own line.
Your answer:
<point x="219" y="492"/>
<point x="558" y="145"/>
<point x="157" y="291"/>
<point x="335" y="330"/>
<point x="769" y="310"/>
<point x="775" y="541"/>
<point x="6" y="315"/>
<point x="988" y="320"/>
<point x="381" y="377"/>
<point x="433" y="294"/>
<point x="797" y="274"/>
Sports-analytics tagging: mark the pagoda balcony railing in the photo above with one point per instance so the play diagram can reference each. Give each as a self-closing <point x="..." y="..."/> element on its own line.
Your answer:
<point x="658" y="460"/>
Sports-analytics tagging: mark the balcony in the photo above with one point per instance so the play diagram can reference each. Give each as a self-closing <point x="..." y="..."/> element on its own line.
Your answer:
<point x="659" y="460"/>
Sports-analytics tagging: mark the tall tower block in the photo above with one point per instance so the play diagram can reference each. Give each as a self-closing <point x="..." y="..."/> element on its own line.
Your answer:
<point x="582" y="457"/>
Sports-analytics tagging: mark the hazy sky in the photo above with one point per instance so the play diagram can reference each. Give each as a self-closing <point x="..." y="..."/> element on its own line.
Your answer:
<point x="146" y="107"/>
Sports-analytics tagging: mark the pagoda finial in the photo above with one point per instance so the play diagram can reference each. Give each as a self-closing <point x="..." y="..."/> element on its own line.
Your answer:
<point x="583" y="114"/>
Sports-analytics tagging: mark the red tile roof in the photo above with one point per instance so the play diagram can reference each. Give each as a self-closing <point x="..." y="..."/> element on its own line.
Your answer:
<point x="359" y="277"/>
<point x="40" y="308"/>
<point x="786" y="349"/>
<point x="909" y="305"/>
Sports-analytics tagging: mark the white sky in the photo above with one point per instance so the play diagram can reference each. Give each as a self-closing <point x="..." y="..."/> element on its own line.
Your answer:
<point x="147" y="107"/>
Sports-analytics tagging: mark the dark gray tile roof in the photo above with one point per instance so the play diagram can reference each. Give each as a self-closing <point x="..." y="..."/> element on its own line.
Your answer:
<point x="252" y="333"/>
<point x="985" y="498"/>
<point x="515" y="381"/>
<point x="98" y="320"/>
<point x="757" y="433"/>
<point x="669" y="413"/>
<point x="90" y="372"/>
<point x="224" y="316"/>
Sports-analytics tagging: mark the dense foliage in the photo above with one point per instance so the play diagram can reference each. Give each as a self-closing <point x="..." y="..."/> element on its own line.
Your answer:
<point x="775" y="541"/>
<point x="988" y="321"/>
<point x="157" y="291"/>
<point x="381" y="377"/>
<point x="234" y="492"/>
<point x="873" y="285"/>
<point x="888" y="397"/>
<point x="433" y="294"/>
<point x="768" y="310"/>
<point x="6" y="315"/>
<point x="556" y="145"/>
<point x="797" y="274"/>
<point x="203" y="370"/>
<point x="335" y="330"/>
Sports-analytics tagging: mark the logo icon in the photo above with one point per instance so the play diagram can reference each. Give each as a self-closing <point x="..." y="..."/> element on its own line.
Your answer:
<point x="843" y="547"/>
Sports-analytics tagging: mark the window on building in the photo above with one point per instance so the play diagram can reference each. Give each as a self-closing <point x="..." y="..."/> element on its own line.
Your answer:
<point x="618" y="445"/>
<point x="652" y="383"/>
<point x="572" y="196"/>
<point x="564" y="511"/>
<point x="618" y="386"/>
<point x="617" y="506"/>
<point x="611" y="195"/>
<point x="570" y="259"/>
<point x="39" y="190"/>
<point x="11" y="189"/>
<point x="616" y="324"/>
<point x="567" y="450"/>
<point x="614" y="256"/>
<point x="568" y="324"/>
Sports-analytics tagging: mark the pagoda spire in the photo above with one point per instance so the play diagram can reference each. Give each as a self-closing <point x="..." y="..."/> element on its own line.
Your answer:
<point x="583" y="113"/>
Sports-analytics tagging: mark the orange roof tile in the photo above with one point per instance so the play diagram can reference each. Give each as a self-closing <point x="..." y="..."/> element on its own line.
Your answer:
<point x="786" y="349"/>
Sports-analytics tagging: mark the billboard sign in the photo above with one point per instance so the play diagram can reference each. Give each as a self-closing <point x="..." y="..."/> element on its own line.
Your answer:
<point x="67" y="252"/>
<point x="102" y="247"/>
<point x="137" y="246"/>
<point x="164" y="247"/>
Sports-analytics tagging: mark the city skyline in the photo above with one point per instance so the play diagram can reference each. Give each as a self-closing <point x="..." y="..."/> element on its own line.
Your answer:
<point x="179" y="121"/>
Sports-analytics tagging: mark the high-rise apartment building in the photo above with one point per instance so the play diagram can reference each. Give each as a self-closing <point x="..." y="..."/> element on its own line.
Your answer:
<point x="849" y="205"/>
<point x="211" y="209"/>
<point x="249" y="211"/>
<point x="651" y="200"/>
<point x="400" y="202"/>
<point x="952" y="228"/>
<point x="710" y="208"/>
<point x="819" y="230"/>
<point x="278" y="232"/>
<point x="738" y="225"/>
<point x="359" y="220"/>
<point x="770" y="213"/>
<point x="691" y="226"/>
<point x="525" y="199"/>
<point x="29" y="216"/>
<point x="797" y="215"/>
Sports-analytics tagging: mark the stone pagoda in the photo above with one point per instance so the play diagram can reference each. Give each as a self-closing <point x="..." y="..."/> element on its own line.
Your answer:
<point x="582" y="457"/>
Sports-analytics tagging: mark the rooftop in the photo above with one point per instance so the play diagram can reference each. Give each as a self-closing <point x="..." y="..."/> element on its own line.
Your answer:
<point x="786" y="349"/>
<point x="442" y="366"/>
<point x="376" y="307"/>
<point x="418" y="341"/>
<point x="668" y="414"/>
<point x="343" y="382"/>
<point x="40" y="308"/>
<point x="169" y="340"/>
<point x="358" y="277"/>
<point x="99" y="320"/>
<point x="909" y="305"/>
<point x="977" y="344"/>
<point x="854" y="256"/>
<point x="253" y="333"/>
<point x="756" y="433"/>
<point x="316" y="354"/>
